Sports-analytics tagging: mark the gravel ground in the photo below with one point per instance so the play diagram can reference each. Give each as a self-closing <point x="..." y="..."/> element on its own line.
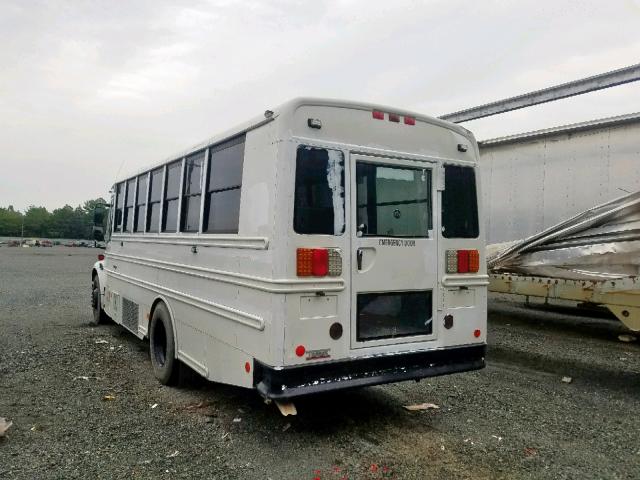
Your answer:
<point x="514" y="419"/>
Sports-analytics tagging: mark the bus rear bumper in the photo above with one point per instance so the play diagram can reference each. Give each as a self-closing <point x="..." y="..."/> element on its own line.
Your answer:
<point x="289" y="382"/>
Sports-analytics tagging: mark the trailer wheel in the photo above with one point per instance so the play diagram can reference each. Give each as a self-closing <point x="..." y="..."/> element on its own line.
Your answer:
<point x="166" y="366"/>
<point x="96" y="303"/>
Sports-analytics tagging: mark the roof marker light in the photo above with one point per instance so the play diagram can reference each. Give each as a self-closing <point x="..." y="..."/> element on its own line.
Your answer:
<point x="378" y="115"/>
<point x="394" y="117"/>
<point x="409" y="120"/>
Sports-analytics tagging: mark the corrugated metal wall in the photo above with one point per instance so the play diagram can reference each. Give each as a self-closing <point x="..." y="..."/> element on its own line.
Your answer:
<point x="533" y="181"/>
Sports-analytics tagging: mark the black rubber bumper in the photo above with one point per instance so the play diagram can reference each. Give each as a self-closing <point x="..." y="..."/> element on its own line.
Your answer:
<point x="288" y="382"/>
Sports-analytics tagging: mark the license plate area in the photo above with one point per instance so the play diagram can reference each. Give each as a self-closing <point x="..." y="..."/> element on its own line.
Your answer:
<point x="389" y="315"/>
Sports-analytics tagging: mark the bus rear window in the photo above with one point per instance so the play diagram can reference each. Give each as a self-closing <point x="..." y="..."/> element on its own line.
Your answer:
<point x="319" y="192"/>
<point x="459" y="203"/>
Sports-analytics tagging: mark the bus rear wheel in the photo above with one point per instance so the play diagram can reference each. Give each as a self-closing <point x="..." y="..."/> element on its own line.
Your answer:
<point x="96" y="303"/>
<point x="166" y="366"/>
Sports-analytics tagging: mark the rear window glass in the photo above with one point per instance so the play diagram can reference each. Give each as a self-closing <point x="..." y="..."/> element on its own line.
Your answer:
<point x="393" y="201"/>
<point x="459" y="203"/>
<point x="394" y="314"/>
<point x="319" y="192"/>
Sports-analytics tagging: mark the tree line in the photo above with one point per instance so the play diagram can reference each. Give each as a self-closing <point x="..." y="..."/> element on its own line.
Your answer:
<point x="65" y="222"/>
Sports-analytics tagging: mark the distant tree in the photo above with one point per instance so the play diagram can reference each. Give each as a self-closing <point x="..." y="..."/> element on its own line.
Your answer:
<point x="10" y="222"/>
<point x="65" y="222"/>
<point x="36" y="221"/>
<point x="90" y="205"/>
<point x="61" y="222"/>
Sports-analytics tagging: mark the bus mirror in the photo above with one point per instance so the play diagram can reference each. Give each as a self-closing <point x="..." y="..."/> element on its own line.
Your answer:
<point x="98" y="223"/>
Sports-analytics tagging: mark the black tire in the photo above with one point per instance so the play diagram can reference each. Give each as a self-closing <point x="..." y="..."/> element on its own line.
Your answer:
<point x="96" y="303"/>
<point x="166" y="366"/>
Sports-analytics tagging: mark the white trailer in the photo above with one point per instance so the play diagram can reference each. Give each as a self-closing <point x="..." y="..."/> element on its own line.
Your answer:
<point x="532" y="181"/>
<point x="322" y="245"/>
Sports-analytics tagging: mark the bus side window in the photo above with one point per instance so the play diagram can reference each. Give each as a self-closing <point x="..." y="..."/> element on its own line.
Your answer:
<point x="190" y="217"/>
<point x="140" y="202"/>
<point x="171" y="192"/>
<point x="319" y="192"/>
<point x="118" y="209"/>
<point x="153" y="209"/>
<point x="128" y="206"/>
<point x="224" y="182"/>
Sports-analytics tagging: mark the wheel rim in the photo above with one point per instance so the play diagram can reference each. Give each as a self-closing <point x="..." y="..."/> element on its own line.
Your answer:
<point x="160" y="344"/>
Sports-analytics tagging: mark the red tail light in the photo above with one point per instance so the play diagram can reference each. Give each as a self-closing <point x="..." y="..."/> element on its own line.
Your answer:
<point x="318" y="262"/>
<point x="463" y="261"/>
<point x="100" y="257"/>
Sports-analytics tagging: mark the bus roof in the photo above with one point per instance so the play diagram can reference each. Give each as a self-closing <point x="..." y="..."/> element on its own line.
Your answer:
<point x="288" y="108"/>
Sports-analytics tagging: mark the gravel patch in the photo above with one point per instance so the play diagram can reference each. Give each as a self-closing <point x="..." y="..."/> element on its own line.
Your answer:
<point x="84" y="403"/>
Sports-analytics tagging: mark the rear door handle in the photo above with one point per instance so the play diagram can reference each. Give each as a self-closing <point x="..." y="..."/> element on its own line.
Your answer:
<point x="359" y="254"/>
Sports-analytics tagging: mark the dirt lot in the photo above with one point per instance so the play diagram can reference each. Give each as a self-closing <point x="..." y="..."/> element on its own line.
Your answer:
<point x="514" y="419"/>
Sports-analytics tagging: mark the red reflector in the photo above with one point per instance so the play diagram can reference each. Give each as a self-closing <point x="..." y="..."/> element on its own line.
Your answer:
<point x="247" y="367"/>
<point x="409" y="121"/>
<point x="300" y="350"/>
<point x="477" y="333"/>
<point x="378" y="115"/>
<point x="101" y="257"/>
<point x="320" y="262"/>
<point x="394" y="117"/>
<point x="463" y="261"/>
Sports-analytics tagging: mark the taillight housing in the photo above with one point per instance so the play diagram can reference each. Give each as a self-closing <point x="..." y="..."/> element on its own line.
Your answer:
<point x="318" y="262"/>
<point x="463" y="261"/>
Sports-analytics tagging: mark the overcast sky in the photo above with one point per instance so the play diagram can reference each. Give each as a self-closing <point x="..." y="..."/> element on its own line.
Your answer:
<point x="88" y="88"/>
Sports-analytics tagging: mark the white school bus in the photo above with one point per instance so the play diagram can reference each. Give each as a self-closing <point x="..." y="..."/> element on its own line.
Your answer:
<point x="323" y="245"/>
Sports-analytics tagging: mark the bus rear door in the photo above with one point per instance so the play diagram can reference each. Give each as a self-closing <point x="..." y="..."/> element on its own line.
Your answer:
<point x="393" y="251"/>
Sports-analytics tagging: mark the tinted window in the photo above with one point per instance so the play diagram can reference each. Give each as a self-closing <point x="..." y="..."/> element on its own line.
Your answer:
<point x="393" y="201"/>
<point x="190" y="219"/>
<point x="224" y="182"/>
<point x="459" y="203"/>
<point x="153" y="214"/>
<point x="119" y="200"/>
<point x="156" y="185"/>
<point x="128" y="209"/>
<point x="141" y="200"/>
<point x="155" y="194"/>
<point x="172" y="190"/>
<point x="226" y="165"/>
<point x="224" y="211"/>
<point x="319" y="191"/>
